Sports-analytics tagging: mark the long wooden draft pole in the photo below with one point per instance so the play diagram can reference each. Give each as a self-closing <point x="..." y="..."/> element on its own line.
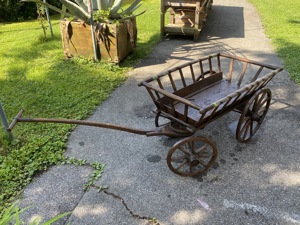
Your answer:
<point x="19" y="118"/>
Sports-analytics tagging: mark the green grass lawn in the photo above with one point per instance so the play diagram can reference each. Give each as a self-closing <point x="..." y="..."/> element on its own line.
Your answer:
<point x="35" y="76"/>
<point x="281" y="21"/>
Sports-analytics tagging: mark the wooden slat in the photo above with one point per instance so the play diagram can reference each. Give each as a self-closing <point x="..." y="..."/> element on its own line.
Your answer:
<point x="172" y="81"/>
<point x="257" y="73"/>
<point x="210" y="65"/>
<point x="242" y="74"/>
<point x="179" y="4"/>
<point x="176" y="29"/>
<point x="182" y="78"/>
<point x="192" y="73"/>
<point x="219" y="63"/>
<point x="201" y="69"/>
<point x="230" y="70"/>
<point x="159" y="83"/>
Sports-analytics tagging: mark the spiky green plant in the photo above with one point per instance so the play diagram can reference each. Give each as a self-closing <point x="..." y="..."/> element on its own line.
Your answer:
<point x="105" y="10"/>
<point x="12" y="216"/>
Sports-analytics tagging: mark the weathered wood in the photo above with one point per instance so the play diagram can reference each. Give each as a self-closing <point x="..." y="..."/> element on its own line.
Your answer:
<point x="186" y="17"/>
<point x="77" y="40"/>
<point x="198" y="102"/>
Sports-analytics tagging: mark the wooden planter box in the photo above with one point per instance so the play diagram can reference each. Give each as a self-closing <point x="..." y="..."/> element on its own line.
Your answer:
<point x="77" y="40"/>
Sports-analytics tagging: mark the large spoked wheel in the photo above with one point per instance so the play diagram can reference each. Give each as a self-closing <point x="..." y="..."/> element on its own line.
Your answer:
<point x="192" y="156"/>
<point x="253" y="115"/>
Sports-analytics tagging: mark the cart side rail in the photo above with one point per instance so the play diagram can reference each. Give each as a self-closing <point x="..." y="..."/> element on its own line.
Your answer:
<point x="186" y="73"/>
<point x="166" y="102"/>
<point x="244" y="71"/>
<point x="231" y="101"/>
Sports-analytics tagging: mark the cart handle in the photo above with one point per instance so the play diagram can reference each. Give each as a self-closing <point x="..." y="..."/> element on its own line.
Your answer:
<point x="77" y="122"/>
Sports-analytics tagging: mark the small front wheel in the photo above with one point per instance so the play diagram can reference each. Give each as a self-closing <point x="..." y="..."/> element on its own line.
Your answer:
<point x="253" y="115"/>
<point x="192" y="156"/>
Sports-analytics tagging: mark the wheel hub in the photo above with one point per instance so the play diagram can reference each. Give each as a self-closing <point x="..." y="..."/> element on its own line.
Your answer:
<point x="195" y="162"/>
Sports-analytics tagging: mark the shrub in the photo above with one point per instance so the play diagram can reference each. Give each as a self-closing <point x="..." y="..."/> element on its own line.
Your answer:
<point x="14" y="10"/>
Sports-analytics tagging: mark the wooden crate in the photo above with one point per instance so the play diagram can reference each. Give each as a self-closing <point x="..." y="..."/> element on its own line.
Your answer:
<point x="186" y="17"/>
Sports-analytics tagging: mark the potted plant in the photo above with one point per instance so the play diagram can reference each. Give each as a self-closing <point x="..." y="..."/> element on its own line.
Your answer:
<point x="97" y="28"/>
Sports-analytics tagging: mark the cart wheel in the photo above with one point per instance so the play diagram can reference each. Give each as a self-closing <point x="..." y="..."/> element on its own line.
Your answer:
<point x="192" y="156"/>
<point x="253" y="115"/>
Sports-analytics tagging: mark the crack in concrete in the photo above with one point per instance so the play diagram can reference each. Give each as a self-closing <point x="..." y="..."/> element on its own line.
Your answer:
<point x="149" y="219"/>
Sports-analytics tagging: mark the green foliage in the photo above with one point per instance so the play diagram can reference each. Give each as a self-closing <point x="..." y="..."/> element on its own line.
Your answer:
<point x="281" y="22"/>
<point x="104" y="10"/>
<point x="14" y="10"/>
<point x="98" y="170"/>
<point x="34" y="76"/>
<point x="12" y="215"/>
<point x="41" y="17"/>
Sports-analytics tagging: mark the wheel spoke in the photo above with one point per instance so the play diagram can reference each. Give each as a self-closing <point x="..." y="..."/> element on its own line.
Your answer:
<point x="203" y="155"/>
<point x="181" y="165"/>
<point x="262" y="111"/>
<point x="191" y="146"/>
<point x="246" y="129"/>
<point x="254" y="104"/>
<point x="202" y="148"/>
<point x="251" y="128"/>
<point x="176" y="159"/>
<point x="245" y="122"/>
<point x="183" y="149"/>
<point x="261" y="105"/>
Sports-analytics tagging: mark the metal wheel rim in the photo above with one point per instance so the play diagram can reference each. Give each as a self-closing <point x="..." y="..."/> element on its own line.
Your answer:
<point x="195" y="162"/>
<point x="253" y="115"/>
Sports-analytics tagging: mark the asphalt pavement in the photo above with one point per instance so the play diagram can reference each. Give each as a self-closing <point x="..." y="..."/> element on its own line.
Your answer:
<point x="251" y="183"/>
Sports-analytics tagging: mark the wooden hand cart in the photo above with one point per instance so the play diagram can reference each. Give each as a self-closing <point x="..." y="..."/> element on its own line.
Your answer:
<point x="186" y="17"/>
<point x="191" y="96"/>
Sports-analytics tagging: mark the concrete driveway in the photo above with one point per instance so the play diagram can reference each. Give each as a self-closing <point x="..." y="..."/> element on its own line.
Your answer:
<point x="253" y="183"/>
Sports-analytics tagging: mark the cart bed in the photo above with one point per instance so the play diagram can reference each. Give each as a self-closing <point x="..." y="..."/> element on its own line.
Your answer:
<point x="198" y="92"/>
<point x="205" y="96"/>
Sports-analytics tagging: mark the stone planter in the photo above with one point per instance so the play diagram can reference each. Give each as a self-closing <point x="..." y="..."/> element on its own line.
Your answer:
<point x="114" y="41"/>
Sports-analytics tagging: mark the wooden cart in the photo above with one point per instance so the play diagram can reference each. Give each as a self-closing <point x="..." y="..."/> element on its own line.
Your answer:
<point x="196" y="93"/>
<point x="193" y="95"/>
<point x="186" y="17"/>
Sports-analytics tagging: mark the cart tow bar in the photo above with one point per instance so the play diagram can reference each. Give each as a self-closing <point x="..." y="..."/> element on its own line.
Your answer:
<point x="158" y="131"/>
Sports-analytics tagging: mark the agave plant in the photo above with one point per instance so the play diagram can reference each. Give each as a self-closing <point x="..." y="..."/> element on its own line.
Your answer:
<point x="103" y="10"/>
